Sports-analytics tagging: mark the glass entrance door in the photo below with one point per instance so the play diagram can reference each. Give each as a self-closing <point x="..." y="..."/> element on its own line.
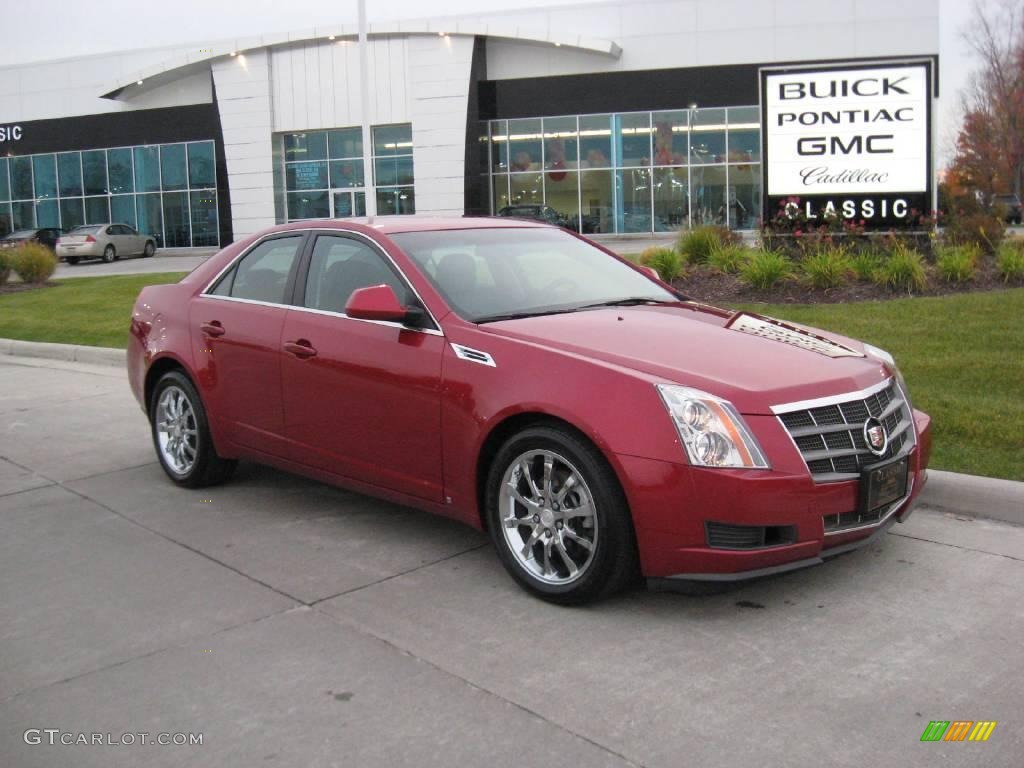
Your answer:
<point x="349" y="203"/>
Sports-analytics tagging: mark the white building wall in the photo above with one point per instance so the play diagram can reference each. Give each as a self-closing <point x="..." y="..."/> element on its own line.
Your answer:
<point x="245" y="100"/>
<point x="662" y="34"/>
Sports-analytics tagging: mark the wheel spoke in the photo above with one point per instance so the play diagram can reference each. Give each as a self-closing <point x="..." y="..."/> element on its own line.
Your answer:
<point x="515" y="522"/>
<point x="524" y="467"/>
<point x="584" y="510"/>
<point x="547" y="557"/>
<point x="528" y="503"/>
<point x="569" y="562"/>
<point x="585" y="543"/>
<point x="549" y="464"/>
<point x="527" y="550"/>
<point x="568" y="485"/>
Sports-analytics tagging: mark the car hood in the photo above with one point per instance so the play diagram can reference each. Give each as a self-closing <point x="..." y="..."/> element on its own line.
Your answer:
<point x="752" y="361"/>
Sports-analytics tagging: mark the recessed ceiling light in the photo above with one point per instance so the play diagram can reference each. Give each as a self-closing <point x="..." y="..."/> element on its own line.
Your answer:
<point x="138" y="82"/>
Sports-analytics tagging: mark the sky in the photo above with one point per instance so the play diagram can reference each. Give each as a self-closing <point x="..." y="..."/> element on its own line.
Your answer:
<point x="79" y="28"/>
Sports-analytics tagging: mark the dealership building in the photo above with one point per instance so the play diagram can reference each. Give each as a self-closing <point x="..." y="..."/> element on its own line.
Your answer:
<point x="614" y="118"/>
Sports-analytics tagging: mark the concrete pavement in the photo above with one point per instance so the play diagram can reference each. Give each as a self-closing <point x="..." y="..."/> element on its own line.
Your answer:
<point x="177" y="260"/>
<point x="296" y="624"/>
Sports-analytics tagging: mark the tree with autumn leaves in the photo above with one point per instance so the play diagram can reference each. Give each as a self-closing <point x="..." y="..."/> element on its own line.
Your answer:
<point x="990" y="146"/>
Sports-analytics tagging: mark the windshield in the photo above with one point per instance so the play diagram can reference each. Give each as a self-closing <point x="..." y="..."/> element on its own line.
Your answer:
<point x="497" y="273"/>
<point x="21" y="234"/>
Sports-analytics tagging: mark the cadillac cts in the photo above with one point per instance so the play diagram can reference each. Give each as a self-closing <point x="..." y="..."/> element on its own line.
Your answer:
<point x="514" y="376"/>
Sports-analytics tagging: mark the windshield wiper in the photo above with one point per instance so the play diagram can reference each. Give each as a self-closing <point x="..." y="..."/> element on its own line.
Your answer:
<point x="520" y="315"/>
<point x="632" y="301"/>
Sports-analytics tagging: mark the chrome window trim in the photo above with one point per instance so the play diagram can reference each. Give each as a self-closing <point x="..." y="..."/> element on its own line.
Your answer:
<point x="436" y="331"/>
<point x="820" y="402"/>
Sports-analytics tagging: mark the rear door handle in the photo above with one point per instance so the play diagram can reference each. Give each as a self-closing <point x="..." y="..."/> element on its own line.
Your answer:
<point x="300" y="348"/>
<point x="213" y="328"/>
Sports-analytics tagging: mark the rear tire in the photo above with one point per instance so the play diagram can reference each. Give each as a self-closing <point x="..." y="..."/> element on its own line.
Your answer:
<point x="181" y="434"/>
<point x="564" y="533"/>
<point x="72" y="260"/>
<point x="149" y="250"/>
<point x="109" y="254"/>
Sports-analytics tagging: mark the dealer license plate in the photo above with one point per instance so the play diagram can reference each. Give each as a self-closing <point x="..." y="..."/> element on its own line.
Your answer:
<point x="882" y="484"/>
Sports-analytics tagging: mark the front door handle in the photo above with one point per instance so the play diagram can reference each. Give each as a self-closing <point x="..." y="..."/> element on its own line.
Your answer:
<point x="300" y="348"/>
<point x="213" y="328"/>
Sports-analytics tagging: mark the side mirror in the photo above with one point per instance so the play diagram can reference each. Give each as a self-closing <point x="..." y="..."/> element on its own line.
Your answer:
<point x="379" y="302"/>
<point x="649" y="271"/>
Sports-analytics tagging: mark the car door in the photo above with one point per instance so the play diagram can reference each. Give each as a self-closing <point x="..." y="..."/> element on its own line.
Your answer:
<point x="361" y="398"/>
<point x="137" y="242"/>
<point x="236" y="327"/>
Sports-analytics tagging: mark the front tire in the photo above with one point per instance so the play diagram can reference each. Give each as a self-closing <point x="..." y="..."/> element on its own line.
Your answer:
<point x="109" y="254"/>
<point x="181" y="434"/>
<point x="558" y="517"/>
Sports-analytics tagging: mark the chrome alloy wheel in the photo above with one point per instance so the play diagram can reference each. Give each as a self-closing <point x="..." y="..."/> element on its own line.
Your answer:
<point x="548" y="517"/>
<point x="177" y="431"/>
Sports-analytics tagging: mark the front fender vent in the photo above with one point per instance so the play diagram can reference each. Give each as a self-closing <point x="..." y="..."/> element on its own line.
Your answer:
<point x="473" y="355"/>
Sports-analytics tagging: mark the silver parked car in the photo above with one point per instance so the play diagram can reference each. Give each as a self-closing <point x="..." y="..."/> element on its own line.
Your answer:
<point x="104" y="241"/>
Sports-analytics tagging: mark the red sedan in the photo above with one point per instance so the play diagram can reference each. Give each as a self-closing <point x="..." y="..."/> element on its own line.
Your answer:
<point x="519" y="378"/>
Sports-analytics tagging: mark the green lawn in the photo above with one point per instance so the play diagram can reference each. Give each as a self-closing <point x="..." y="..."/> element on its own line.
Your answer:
<point x="963" y="359"/>
<point x="962" y="355"/>
<point x="93" y="311"/>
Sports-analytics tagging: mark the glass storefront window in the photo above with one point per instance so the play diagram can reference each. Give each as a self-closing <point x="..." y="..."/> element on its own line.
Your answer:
<point x="596" y="141"/>
<point x="634" y="188"/>
<point x="176" y="220"/>
<point x="671" y="199"/>
<point x="561" y="143"/>
<point x="305" y="146"/>
<point x="346" y="173"/>
<point x="633" y="140"/>
<point x="94" y="173"/>
<point x="72" y="214"/>
<point x="21" y="179"/>
<point x="173" y="170"/>
<point x="119" y="171"/>
<point x="396" y="201"/>
<point x="203" y="212"/>
<point x="202" y="169"/>
<point x="147" y="169"/>
<point x="709" y="195"/>
<point x="5" y="186"/>
<point x="524" y="145"/>
<point x="97" y="210"/>
<point x="526" y="189"/>
<point x="23" y="215"/>
<point x="392" y="140"/>
<point x="671" y="137"/>
<point x="308" y="205"/>
<point x="6" y="225"/>
<point x="122" y="209"/>
<point x="44" y="172"/>
<point x="597" y="193"/>
<point x="563" y="196"/>
<point x="47" y="214"/>
<point x="392" y="171"/>
<point x="311" y="175"/>
<point x="151" y="220"/>
<point x="499" y="146"/>
<point x="69" y="171"/>
<point x="707" y="136"/>
<point x="666" y="170"/>
<point x="345" y="143"/>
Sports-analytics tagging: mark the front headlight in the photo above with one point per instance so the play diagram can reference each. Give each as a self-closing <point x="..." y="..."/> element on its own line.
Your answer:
<point x="711" y="429"/>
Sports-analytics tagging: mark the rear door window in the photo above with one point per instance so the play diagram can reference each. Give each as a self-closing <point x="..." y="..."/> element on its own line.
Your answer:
<point x="263" y="273"/>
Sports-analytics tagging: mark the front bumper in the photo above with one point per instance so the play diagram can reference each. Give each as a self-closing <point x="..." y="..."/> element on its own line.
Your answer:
<point x="672" y="504"/>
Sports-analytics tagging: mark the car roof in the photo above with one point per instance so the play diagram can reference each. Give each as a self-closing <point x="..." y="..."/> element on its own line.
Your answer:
<point x="390" y="225"/>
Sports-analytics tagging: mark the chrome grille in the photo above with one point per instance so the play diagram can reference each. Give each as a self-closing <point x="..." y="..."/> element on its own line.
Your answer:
<point x="830" y="435"/>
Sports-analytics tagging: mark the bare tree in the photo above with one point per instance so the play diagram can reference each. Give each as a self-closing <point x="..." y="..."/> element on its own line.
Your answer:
<point x="990" y="145"/>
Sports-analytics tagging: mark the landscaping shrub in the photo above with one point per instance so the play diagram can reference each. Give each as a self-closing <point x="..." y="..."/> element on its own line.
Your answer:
<point x="696" y="245"/>
<point x="903" y="271"/>
<point x="958" y="263"/>
<point x="764" y="269"/>
<point x="34" y="263"/>
<point x="5" y="266"/>
<point x="729" y="258"/>
<point x="666" y="261"/>
<point x="981" y="230"/>
<point x="1010" y="260"/>
<point x="827" y="268"/>
<point x="865" y="264"/>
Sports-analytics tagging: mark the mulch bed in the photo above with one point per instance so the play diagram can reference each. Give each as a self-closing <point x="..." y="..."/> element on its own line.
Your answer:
<point x="713" y="287"/>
